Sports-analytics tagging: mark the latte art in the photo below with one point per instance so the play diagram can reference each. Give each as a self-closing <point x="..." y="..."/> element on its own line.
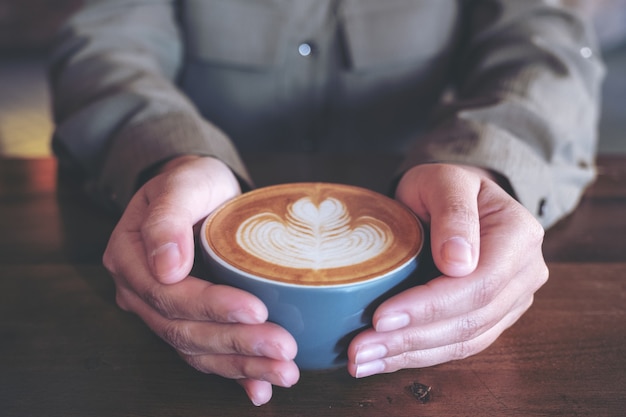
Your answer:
<point x="314" y="236"/>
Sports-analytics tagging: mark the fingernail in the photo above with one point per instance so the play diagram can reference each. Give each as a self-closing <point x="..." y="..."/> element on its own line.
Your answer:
<point x="166" y="259"/>
<point x="276" y="379"/>
<point x="271" y="350"/>
<point x="245" y="317"/>
<point x="391" y="322"/>
<point x="457" y="251"/>
<point x="368" y="353"/>
<point x="370" y="368"/>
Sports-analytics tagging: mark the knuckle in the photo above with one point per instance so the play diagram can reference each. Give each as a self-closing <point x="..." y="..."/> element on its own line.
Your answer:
<point x="409" y="340"/>
<point x="401" y="361"/>
<point x="198" y="362"/>
<point x="542" y="276"/>
<point x="528" y="227"/>
<point x="536" y="230"/>
<point x="227" y="366"/>
<point x="537" y="274"/>
<point x="222" y="342"/>
<point x="405" y="360"/>
<point x="468" y="328"/>
<point x="161" y="216"/>
<point x="160" y="302"/>
<point x="459" y="214"/>
<point x="108" y="261"/>
<point x="235" y="345"/>
<point x="461" y="350"/>
<point x="120" y="299"/>
<point x="157" y="218"/>
<point x="430" y="311"/>
<point x="195" y="362"/>
<point x="208" y="309"/>
<point x="485" y="291"/>
<point x="459" y="210"/>
<point x="526" y="306"/>
<point x="123" y="297"/>
<point x="178" y="335"/>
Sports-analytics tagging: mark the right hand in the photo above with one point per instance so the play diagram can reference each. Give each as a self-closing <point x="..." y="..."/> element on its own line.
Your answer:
<point x="215" y="328"/>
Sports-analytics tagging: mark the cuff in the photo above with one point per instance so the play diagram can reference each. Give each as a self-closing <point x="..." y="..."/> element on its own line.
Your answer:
<point x="138" y="148"/>
<point x="548" y="190"/>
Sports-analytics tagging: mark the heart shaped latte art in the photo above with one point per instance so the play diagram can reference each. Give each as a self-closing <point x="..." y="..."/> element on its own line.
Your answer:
<point x="314" y="236"/>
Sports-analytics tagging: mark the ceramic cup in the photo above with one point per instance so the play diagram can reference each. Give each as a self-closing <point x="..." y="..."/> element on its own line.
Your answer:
<point x="320" y="256"/>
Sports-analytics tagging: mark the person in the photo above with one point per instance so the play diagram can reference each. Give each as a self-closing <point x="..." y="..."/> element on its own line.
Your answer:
<point x="493" y="103"/>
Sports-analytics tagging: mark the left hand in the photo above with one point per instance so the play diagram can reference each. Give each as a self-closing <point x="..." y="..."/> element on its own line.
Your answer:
<point x="488" y="248"/>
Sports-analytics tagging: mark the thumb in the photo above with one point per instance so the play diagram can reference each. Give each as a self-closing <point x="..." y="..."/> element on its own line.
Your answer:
<point x="175" y="201"/>
<point x="447" y="195"/>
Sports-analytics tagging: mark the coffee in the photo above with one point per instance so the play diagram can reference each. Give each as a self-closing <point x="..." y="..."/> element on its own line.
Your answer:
<point x="314" y="234"/>
<point x="320" y="256"/>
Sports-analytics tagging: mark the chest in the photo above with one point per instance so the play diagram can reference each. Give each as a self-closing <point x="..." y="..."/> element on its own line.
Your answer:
<point x="283" y="65"/>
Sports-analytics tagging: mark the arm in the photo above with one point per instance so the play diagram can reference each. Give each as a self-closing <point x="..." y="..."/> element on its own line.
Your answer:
<point x="117" y="109"/>
<point x="525" y="105"/>
<point x="120" y="115"/>
<point x="526" y="108"/>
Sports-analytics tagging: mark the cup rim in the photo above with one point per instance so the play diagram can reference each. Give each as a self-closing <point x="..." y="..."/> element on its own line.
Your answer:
<point x="224" y="263"/>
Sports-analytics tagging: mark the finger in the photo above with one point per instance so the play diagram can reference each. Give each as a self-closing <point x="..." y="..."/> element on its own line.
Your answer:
<point x="517" y="297"/>
<point x="280" y="373"/>
<point x="433" y="356"/>
<point x="177" y="201"/>
<point x="440" y="299"/>
<point x="199" y="338"/>
<point x="370" y="343"/>
<point x="168" y="236"/>
<point x="154" y="233"/>
<point x="230" y="336"/>
<point x="192" y="299"/>
<point x="450" y="198"/>
<point x="259" y="392"/>
<point x="264" y="352"/>
<point x="506" y="253"/>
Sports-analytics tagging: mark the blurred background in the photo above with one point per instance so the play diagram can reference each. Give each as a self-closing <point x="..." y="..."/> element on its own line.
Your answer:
<point x="26" y="28"/>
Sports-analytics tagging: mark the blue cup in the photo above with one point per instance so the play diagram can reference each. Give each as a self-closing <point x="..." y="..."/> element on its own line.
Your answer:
<point x="323" y="318"/>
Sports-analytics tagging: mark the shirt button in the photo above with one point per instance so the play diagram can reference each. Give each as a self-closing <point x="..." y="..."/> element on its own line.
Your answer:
<point x="586" y="52"/>
<point x="541" y="209"/>
<point x="305" y="49"/>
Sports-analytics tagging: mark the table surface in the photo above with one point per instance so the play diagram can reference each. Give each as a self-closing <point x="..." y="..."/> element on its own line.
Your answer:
<point x="67" y="350"/>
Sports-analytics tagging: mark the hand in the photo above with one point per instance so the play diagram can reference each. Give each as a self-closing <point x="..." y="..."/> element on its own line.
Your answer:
<point x="488" y="249"/>
<point x="216" y="329"/>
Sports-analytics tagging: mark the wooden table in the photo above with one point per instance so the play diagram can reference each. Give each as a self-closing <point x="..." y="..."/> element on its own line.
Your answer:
<point x="67" y="350"/>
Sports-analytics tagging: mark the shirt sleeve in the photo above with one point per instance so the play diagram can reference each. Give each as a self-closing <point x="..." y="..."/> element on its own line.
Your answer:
<point x="525" y="104"/>
<point x="116" y="107"/>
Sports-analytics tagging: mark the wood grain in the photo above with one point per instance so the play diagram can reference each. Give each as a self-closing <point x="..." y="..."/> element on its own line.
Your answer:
<point x="67" y="350"/>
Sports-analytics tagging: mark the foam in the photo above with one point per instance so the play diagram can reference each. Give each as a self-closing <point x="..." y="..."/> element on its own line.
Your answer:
<point x="314" y="236"/>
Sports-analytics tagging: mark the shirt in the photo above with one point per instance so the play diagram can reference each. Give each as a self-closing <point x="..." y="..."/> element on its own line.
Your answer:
<point x="508" y="85"/>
